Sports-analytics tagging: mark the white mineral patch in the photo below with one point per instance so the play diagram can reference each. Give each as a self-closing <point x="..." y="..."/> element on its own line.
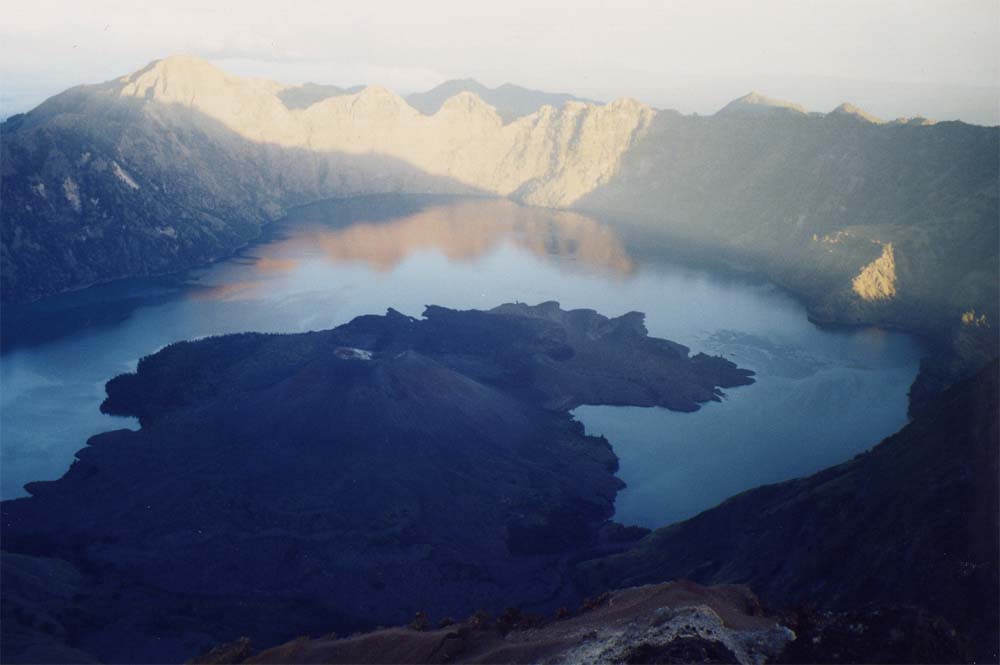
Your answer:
<point x="72" y="192"/>
<point x="124" y="176"/>
<point x="610" y="645"/>
<point x="350" y="353"/>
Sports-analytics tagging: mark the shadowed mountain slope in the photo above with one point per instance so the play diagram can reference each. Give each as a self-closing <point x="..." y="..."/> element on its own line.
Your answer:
<point x="180" y="163"/>
<point x="913" y="521"/>
<point x="97" y="187"/>
<point x="892" y="224"/>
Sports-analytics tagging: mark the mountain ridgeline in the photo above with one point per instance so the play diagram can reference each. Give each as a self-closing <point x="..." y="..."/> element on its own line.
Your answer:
<point x="510" y="101"/>
<point x="179" y="163"/>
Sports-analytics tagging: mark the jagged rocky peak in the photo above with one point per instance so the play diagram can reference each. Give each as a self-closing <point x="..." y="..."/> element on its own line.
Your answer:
<point x="629" y="105"/>
<point x="754" y="102"/>
<point x="380" y="93"/>
<point x="177" y="79"/>
<point x="467" y="102"/>
<point x="376" y="96"/>
<point x="917" y="121"/>
<point x="848" y="109"/>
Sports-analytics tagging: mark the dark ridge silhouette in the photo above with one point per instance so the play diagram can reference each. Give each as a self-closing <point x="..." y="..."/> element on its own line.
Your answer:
<point x="511" y="101"/>
<point x="305" y="95"/>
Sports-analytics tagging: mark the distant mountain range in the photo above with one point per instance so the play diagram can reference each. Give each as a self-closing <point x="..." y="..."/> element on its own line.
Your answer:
<point x="305" y="95"/>
<point x="510" y="101"/>
<point x="179" y="163"/>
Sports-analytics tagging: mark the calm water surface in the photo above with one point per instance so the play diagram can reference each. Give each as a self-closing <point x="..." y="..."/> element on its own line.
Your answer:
<point x="821" y="397"/>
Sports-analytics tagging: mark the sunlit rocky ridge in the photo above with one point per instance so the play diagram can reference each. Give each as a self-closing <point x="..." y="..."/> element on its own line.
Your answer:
<point x="554" y="155"/>
<point x="180" y="163"/>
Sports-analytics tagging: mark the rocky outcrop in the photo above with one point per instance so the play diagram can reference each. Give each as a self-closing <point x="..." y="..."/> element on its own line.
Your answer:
<point x="675" y="622"/>
<point x="347" y="478"/>
<point x="877" y="280"/>
<point x="210" y="158"/>
<point x="913" y="521"/>
<point x="666" y="623"/>
<point x="850" y="110"/>
<point x="754" y="103"/>
<point x="812" y="202"/>
<point x="559" y="154"/>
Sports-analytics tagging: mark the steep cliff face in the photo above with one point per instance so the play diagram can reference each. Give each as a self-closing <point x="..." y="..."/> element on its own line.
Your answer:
<point x="558" y="154"/>
<point x="181" y="162"/>
<point x="877" y="280"/>
<point x="914" y="521"/>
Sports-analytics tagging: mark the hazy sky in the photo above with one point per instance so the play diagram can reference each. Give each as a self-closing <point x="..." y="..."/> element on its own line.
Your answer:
<point x="942" y="57"/>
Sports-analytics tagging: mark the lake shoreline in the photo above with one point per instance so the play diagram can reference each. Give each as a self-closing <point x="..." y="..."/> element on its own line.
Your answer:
<point x="937" y="366"/>
<point x="334" y="262"/>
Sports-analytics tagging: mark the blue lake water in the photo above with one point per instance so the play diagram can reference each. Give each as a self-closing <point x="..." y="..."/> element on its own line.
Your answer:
<point x="821" y="397"/>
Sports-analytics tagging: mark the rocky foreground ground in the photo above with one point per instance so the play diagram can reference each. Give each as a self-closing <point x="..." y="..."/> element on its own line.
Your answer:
<point x="674" y="622"/>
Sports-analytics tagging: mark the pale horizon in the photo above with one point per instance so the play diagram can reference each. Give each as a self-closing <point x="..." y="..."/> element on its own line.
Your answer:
<point x="691" y="57"/>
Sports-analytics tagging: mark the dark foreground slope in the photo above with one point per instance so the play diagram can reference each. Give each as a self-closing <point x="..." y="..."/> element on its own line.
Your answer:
<point x="336" y="480"/>
<point x="914" y="521"/>
<point x="673" y="622"/>
<point x="666" y="623"/>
